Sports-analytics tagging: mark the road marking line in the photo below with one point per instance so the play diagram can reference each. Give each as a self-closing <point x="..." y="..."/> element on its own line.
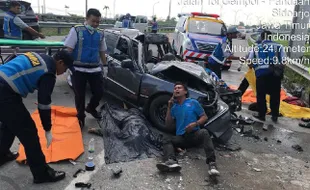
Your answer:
<point x="86" y="176"/>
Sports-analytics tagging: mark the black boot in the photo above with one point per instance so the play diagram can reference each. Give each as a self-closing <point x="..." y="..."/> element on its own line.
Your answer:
<point x="50" y="175"/>
<point x="259" y="117"/>
<point x="8" y="157"/>
<point x="93" y="112"/>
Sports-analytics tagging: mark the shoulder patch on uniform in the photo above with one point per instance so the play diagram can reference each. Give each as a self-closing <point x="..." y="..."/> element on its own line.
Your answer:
<point x="33" y="59"/>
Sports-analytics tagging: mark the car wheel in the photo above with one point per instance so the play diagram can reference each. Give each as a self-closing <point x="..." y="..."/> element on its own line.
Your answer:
<point x="157" y="112"/>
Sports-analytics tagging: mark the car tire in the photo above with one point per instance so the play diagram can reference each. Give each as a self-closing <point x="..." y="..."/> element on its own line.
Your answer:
<point x="157" y="112"/>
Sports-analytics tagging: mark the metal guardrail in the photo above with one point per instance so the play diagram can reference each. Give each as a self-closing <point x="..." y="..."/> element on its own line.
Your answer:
<point x="62" y="25"/>
<point x="292" y="64"/>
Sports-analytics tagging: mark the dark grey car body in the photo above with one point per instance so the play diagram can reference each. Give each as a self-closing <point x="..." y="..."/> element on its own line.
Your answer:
<point x="130" y="80"/>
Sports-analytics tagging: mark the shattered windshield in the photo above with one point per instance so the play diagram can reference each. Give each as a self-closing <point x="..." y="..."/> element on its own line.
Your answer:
<point x="201" y="26"/>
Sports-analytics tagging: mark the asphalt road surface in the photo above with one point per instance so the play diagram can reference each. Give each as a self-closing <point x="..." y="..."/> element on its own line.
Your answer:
<point x="262" y="163"/>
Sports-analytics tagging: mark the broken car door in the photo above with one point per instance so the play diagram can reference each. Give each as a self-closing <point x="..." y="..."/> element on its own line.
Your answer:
<point x="124" y="75"/>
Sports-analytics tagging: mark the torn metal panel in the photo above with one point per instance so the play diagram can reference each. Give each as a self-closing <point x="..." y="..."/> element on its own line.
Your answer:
<point x="190" y="68"/>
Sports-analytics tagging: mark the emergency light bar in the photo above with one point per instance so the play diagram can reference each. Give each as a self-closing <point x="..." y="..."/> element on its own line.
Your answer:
<point x="203" y="14"/>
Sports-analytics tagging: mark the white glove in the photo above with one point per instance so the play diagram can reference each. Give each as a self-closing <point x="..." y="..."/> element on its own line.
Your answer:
<point x="49" y="137"/>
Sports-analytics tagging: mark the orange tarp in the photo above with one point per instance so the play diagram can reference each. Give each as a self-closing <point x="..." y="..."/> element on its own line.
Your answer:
<point x="287" y="110"/>
<point x="250" y="97"/>
<point x="67" y="137"/>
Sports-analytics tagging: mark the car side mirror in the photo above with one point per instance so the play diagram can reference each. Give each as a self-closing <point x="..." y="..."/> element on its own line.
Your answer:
<point x="127" y="63"/>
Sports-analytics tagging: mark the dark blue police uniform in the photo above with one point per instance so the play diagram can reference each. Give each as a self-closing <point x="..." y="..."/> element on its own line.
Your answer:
<point x="19" y="77"/>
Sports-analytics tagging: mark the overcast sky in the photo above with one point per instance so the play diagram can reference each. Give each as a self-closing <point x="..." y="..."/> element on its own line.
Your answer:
<point x="265" y="11"/>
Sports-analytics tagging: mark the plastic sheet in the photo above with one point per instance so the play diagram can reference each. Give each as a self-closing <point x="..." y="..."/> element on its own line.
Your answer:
<point x="127" y="135"/>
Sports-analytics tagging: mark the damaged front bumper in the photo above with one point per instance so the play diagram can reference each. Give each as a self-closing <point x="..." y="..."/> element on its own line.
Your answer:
<point x="219" y="125"/>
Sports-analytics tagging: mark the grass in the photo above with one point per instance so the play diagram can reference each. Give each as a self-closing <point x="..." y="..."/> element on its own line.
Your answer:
<point x="54" y="31"/>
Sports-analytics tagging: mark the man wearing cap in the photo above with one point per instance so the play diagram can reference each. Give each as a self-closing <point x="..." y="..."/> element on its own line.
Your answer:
<point x="19" y="77"/>
<point x="222" y="52"/>
<point x="88" y="46"/>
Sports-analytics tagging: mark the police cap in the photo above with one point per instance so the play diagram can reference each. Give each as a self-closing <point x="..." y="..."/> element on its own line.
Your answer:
<point x="232" y="29"/>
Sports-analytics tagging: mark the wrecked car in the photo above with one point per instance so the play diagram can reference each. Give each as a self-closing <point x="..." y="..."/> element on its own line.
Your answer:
<point x="147" y="82"/>
<point x="157" y="48"/>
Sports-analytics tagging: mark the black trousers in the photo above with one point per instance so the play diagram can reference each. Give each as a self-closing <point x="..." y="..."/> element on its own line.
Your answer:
<point x="271" y="85"/>
<point x="216" y="68"/>
<point x="243" y="85"/>
<point x="79" y="81"/>
<point x="17" y="121"/>
<point x="191" y="140"/>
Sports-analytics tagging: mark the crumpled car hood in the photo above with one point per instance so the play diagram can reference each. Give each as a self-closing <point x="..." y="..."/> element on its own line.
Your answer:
<point x="191" y="68"/>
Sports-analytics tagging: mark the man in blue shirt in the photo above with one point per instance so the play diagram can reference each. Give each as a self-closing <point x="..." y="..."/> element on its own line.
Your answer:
<point x="154" y="25"/>
<point x="127" y="21"/>
<point x="187" y="115"/>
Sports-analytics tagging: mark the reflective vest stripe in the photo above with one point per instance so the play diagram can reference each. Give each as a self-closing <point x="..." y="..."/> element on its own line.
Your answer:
<point x="217" y="60"/>
<point x="218" y="54"/>
<point x="78" y="30"/>
<point x="9" y="17"/>
<point x="10" y="79"/>
<point x="44" y="107"/>
<point x="261" y="67"/>
<point x="12" y="37"/>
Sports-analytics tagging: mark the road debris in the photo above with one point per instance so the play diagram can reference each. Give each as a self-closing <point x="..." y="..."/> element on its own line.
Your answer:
<point x="298" y="148"/>
<point x="257" y="170"/>
<point x="77" y="172"/>
<point x="82" y="185"/>
<point x="117" y="173"/>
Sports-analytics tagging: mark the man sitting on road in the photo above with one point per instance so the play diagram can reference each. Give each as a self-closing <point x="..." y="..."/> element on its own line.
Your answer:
<point x="188" y="115"/>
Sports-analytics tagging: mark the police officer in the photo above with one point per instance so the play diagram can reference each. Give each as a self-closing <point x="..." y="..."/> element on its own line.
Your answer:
<point x="127" y="21"/>
<point x="221" y="53"/>
<point x="268" y="65"/>
<point x="154" y="25"/>
<point x="13" y="26"/>
<point x="88" y="46"/>
<point x="19" y="77"/>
